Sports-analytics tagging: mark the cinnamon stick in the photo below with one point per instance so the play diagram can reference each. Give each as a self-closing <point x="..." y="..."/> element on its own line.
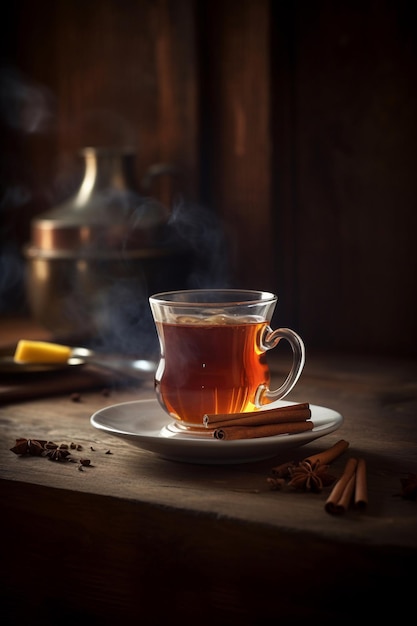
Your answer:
<point x="361" y="488"/>
<point x="327" y="456"/>
<point x="341" y="494"/>
<point x="346" y="497"/>
<point x="263" y="430"/>
<point x="288" y="413"/>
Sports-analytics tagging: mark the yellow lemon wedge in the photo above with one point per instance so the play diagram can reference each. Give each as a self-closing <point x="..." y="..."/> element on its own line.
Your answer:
<point x="41" y="352"/>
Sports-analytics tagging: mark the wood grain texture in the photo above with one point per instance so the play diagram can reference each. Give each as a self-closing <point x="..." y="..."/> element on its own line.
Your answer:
<point x="123" y="569"/>
<point x="135" y="537"/>
<point x="236" y="132"/>
<point x="109" y="542"/>
<point x="355" y="144"/>
<point x="114" y="75"/>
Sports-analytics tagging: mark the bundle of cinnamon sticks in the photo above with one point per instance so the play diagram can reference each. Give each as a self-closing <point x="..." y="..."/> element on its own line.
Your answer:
<point x="288" y="419"/>
<point x="351" y="488"/>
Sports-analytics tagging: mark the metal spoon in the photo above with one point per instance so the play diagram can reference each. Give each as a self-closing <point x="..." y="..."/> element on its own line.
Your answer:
<point x="137" y="368"/>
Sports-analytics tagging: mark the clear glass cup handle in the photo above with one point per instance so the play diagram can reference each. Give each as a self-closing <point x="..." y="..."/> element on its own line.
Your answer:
<point x="270" y="340"/>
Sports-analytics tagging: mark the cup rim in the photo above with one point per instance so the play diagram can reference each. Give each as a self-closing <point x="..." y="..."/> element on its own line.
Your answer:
<point x="226" y="297"/>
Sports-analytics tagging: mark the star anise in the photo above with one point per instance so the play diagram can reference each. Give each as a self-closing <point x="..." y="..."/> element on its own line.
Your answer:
<point x="33" y="447"/>
<point x="57" y="454"/>
<point x="409" y="487"/>
<point x="310" y="477"/>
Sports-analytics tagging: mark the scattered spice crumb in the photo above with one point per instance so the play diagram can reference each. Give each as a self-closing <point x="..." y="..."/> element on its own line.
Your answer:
<point x="75" y="397"/>
<point x="409" y="487"/>
<point x="52" y="450"/>
<point x="283" y="470"/>
<point x="275" y="483"/>
<point x="50" y="444"/>
<point x="105" y="392"/>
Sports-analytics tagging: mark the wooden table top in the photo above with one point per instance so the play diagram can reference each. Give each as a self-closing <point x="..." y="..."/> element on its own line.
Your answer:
<point x="224" y="512"/>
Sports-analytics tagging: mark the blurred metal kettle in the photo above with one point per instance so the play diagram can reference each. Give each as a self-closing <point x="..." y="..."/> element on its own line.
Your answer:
<point x="93" y="260"/>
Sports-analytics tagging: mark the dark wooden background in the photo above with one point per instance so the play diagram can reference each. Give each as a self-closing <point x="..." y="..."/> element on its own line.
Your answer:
<point x="293" y="123"/>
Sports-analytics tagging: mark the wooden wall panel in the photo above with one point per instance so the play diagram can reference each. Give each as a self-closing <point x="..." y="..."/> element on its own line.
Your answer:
<point x="117" y="74"/>
<point x="293" y="122"/>
<point x="128" y="76"/>
<point x="283" y="163"/>
<point x="355" y="101"/>
<point x="235" y="124"/>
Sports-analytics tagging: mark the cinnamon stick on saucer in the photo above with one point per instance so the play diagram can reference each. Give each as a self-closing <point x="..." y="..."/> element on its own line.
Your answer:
<point x="263" y="430"/>
<point x="288" y="413"/>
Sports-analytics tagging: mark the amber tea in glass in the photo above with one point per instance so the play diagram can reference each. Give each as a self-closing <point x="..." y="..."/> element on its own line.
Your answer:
<point x="213" y="352"/>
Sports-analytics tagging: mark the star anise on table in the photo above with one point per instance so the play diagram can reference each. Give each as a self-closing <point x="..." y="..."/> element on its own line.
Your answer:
<point x="55" y="452"/>
<point x="310" y="477"/>
<point x="24" y="446"/>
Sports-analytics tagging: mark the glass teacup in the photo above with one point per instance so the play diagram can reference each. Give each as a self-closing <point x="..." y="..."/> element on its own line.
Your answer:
<point x="213" y="345"/>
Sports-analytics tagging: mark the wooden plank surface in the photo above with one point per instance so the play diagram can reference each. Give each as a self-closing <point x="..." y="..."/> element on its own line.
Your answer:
<point x="102" y="559"/>
<point x="133" y="527"/>
<point x="379" y="424"/>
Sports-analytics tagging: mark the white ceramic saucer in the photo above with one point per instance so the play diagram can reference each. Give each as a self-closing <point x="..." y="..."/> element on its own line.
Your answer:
<point x="144" y="424"/>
